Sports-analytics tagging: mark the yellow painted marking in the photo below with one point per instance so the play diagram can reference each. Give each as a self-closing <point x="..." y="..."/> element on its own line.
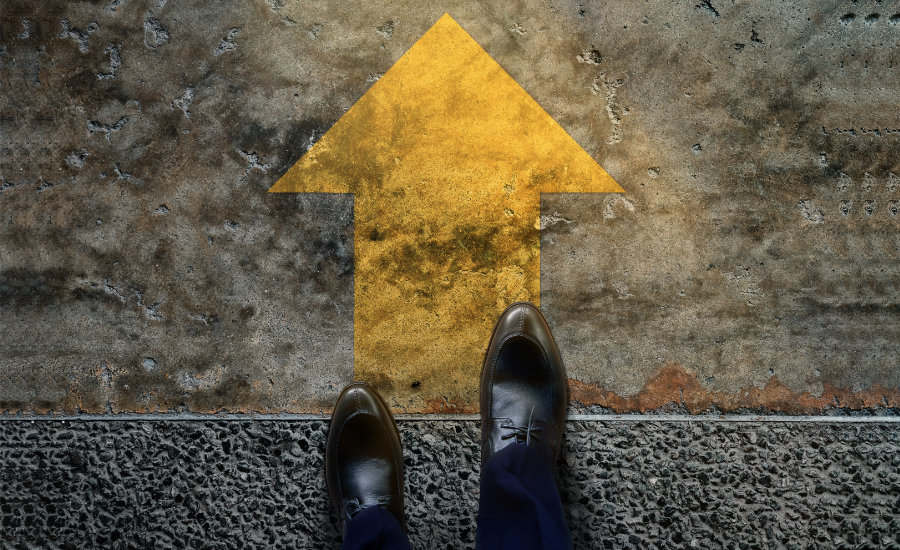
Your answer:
<point x="446" y="156"/>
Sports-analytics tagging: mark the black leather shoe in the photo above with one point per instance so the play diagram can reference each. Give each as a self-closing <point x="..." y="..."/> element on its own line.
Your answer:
<point x="363" y="459"/>
<point x="523" y="386"/>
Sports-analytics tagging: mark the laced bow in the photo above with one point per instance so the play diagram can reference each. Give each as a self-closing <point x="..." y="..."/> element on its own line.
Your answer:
<point x="352" y="506"/>
<point x="523" y="434"/>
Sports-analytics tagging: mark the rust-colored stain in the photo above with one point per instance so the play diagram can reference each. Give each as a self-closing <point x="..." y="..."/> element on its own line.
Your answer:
<point x="446" y="156"/>
<point x="675" y="385"/>
<point x="445" y="406"/>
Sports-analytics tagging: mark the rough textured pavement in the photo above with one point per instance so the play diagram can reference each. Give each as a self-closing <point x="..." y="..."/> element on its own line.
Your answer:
<point x="751" y="263"/>
<point x="260" y="484"/>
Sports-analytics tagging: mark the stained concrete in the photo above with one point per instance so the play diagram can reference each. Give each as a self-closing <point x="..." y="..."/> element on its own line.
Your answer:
<point x="144" y="267"/>
<point x="260" y="484"/>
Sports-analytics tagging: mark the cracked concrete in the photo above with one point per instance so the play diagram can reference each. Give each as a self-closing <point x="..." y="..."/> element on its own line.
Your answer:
<point x="752" y="260"/>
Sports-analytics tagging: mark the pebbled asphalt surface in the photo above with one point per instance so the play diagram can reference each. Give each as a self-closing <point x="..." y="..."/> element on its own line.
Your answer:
<point x="254" y="483"/>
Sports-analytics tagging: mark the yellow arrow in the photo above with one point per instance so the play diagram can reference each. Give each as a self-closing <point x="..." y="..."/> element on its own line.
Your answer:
<point x="446" y="156"/>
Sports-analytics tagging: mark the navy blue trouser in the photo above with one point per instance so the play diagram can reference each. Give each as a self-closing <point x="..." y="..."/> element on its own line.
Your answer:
<point x="519" y="509"/>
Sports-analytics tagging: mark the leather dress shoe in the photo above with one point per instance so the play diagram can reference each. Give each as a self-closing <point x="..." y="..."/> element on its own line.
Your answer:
<point x="523" y="386"/>
<point x="363" y="457"/>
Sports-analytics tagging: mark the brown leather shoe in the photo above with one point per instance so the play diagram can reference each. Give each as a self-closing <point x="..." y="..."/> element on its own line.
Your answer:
<point x="523" y="386"/>
<point x="363" y="457"/>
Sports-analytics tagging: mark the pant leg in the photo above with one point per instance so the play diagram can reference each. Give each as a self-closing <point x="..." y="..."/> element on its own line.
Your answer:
<point x="374" y="529"/>
<point x="520" y="508"/>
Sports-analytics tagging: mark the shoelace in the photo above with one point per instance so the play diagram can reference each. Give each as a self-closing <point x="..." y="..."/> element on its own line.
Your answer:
<point x="523" y="434"/>
<point x="353" y="507"/>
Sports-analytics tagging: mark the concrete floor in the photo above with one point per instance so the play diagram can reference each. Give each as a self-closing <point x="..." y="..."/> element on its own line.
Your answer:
<point x="750" y="264"/>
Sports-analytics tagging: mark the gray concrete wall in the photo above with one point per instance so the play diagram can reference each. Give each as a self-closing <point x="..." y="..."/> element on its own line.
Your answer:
<point x="144" y="267"/>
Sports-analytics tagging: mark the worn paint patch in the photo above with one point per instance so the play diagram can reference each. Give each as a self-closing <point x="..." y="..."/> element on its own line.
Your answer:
<point x="446" y="156"/>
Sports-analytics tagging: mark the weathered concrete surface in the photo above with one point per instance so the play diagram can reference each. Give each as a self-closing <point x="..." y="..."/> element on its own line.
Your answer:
<point x="261" y="484"/>
<point x="143" y="266"/>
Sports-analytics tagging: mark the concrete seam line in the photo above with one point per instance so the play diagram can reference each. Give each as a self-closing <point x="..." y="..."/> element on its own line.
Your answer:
<point x="197" y="417"/>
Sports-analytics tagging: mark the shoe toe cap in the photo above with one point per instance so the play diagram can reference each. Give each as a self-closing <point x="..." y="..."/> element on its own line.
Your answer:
<point x="360" y="397"/>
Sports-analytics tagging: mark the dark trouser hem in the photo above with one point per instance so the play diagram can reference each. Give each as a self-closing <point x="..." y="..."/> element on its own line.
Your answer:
<point x="375" y="529"/>
<point x="520" y="508"/>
